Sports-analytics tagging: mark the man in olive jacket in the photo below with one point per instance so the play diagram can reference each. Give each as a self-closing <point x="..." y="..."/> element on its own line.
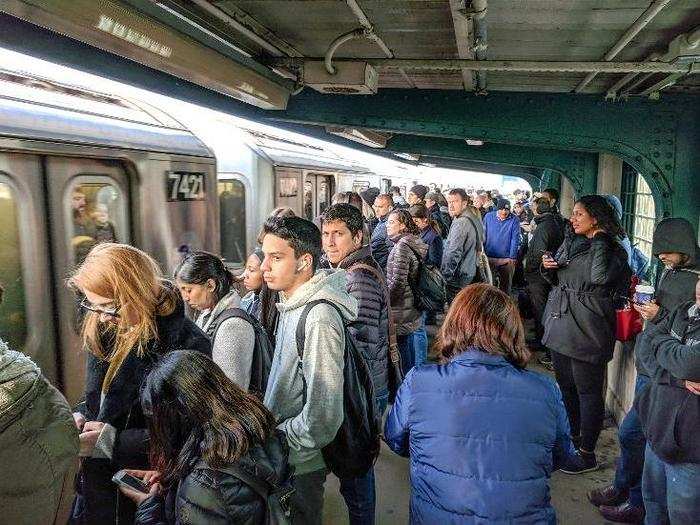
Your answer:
<point x="38" y="444"/>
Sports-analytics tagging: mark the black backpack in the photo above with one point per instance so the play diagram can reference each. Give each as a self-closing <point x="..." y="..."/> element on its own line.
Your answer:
<point x="262" y="353"/>
<point x="355" y="447"/>
<point x="430" y="291"/>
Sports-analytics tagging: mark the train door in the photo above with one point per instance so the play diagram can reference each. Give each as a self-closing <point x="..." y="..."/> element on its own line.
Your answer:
<point x="26" y="313"/>
<point x="318" y="192"/>
<point x="88" y="201"/>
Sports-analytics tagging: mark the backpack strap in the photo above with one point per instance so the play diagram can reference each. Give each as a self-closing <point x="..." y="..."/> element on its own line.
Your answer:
<point x="301" y="335"/>
<point x="230" y="313"/>
<point x="394" y="354"/>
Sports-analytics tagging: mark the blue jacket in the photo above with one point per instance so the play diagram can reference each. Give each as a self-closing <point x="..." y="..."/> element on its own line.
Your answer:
<point x="379" y="243"/>
<point x="432" y="238"/>
<point x="483" y="438"/>
<point x="502" y="237"/>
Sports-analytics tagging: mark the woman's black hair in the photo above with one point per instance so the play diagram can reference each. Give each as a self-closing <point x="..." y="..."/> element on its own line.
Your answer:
<point x="405" y="218"/>
<point x="195" y="412"/>
<point x="199" y="267"/>
<point x="600" y="209"/>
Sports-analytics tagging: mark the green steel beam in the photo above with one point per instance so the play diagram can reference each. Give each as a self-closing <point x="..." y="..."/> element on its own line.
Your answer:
<point x="659" y="138"/>
<point x="581" y="168"/>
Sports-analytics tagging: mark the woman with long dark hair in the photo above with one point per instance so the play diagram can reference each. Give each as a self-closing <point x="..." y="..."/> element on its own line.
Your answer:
<point x="588" y="275"/>
<point x="207" y="286"/>
<point x="260" y="301"/>
<point x="133" y="316"/>
<point x="204" y="432"/>
<point x="483" y="434"/>
<point x="401" y="276"/>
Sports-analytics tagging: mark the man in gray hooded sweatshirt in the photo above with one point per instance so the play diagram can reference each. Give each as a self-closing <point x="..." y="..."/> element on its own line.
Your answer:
<point x="292" y="248"/>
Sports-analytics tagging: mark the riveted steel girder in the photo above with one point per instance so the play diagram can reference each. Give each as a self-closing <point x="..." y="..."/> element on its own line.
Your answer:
<point x="659" y="138"/>
<point x="579" y="167"/>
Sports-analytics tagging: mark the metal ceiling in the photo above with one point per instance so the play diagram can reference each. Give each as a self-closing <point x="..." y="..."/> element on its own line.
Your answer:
<point x="533" y="30"/>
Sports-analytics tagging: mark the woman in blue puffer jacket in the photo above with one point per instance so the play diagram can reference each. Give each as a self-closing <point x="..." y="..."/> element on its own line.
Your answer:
<point x="483" y="434"/>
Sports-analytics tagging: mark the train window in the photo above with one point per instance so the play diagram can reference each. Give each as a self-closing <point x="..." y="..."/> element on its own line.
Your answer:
<point x="324" y="194"/>
<point x="13" y="326"/>
<point x="232" y="220"/>
<point x="97" y="214"/>
<point x="639" y="215"/>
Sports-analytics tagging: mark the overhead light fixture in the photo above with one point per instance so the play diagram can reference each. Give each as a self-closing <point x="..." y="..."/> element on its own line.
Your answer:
<point x="407" y="156"/>
<point x="370" y="138"/>
<point x="427" y="164"/>
<point x="474" y="142"/>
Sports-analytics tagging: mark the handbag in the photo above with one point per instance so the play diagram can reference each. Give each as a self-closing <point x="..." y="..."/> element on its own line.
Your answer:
<point x="628" y="320"/>
<point x="395" y="371"/>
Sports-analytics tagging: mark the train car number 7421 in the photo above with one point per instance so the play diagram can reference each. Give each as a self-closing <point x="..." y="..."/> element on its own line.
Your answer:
<point x="185" y="186"/>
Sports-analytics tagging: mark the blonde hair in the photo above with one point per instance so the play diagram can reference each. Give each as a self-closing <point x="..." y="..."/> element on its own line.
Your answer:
<point x="130" y="277"/>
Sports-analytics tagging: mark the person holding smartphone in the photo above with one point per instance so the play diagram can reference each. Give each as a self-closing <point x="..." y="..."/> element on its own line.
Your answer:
<point x="133" y="316"/>
<point x="205" y="431"/>
<point x="587" y="273"/>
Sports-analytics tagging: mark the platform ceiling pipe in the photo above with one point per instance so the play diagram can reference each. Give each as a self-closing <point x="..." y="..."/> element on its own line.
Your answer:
<point x="632" y="31"/>
<point x="372" y="35"/>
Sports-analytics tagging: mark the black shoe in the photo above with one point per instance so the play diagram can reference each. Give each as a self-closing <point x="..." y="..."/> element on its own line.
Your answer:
<point x="608" y="495"/>
<point x="624" y="513"/>
<point x="580" y="462"/>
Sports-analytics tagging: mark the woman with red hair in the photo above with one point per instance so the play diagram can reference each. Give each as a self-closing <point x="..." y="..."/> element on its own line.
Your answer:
<point x="483" y="433"/>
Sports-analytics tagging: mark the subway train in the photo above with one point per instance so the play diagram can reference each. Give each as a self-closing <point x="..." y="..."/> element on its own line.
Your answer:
<point x="79" y="167"/>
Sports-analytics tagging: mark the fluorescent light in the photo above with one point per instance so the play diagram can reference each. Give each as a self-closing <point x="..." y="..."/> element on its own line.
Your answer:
<point x="474" y="142"/>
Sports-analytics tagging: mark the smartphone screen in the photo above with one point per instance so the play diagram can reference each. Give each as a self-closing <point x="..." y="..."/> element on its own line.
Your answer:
<point x="122" y="478"/>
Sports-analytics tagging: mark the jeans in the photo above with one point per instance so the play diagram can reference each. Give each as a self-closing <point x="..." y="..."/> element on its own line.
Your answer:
<point x="581" y="385"/>
<point x="505" y="275"/>
<point x="307" y="501"/>
<point x="413" y="347"/>
<point x="628" y="475"/>
<point x="671" y="491"/>
<point x="538" y="290"/>
<point x="360" y="497"/>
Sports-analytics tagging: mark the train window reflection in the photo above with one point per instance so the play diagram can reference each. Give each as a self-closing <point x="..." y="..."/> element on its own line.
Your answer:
<point x="98" y="213"/>
<point x="13" y="325"/>
<point x="232" y="220"/>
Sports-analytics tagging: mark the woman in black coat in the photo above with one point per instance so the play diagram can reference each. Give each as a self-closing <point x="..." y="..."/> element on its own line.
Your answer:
<point x="207" y="434"/>
<point x="133" y="316"/>
<point x="588" y="274"/>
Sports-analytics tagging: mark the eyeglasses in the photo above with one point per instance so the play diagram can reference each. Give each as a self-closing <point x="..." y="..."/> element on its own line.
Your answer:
<point x="111" y="312"/>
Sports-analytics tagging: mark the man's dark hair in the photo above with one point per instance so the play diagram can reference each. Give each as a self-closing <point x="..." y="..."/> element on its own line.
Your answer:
<point x="302" y="235"/>
<point x="460" y="191"/>
<point x="419" y="191"/>
<point x="346" y="213"/>
<point x="395" y="190"/>
<point x="542" y="205"/>
<point x="385" y="196"/>
<point x="553" y="193"/>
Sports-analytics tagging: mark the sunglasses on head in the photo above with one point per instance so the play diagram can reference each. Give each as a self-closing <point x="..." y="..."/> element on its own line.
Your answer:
<point x="112" y="312"/>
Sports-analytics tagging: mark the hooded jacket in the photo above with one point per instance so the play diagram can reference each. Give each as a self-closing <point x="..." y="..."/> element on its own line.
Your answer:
<point x="120" y="409"/>
<point x="670" y="414"/>
<point x="579" y="319"/>
<point x="401" y="277"/>
<point x="312" y="425"/>
<point x="370" y="330"/>
<point x="442" y="219"/>
<point x="435" y="246"/>
<point x="459" y="252"/>
<point x="38" y="444"/>
<point x="483" y="438"/>
<point x="676" y="285"/>
<point x="502" y="236"/>
<point x="214" y="495"/>
<point x="234" y="341"/>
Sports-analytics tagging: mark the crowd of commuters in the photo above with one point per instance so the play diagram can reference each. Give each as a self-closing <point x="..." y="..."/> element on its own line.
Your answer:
<point x="228" y="406"/>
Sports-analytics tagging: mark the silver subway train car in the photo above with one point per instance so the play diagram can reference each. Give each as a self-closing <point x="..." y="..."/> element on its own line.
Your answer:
<point x="77" y="168"/>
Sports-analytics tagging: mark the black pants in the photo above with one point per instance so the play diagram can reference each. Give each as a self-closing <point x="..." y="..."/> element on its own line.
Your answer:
<point x="581" y="385"/>
<point x="538" y="290"/>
